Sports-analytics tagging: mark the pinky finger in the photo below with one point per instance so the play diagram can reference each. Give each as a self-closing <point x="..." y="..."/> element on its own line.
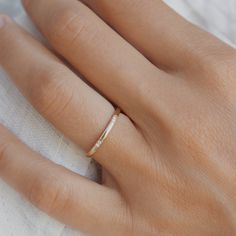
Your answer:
<point x="68" y="197"/>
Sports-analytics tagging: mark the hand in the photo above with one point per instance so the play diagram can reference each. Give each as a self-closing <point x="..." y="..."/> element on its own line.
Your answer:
<point x="169" y="163"/>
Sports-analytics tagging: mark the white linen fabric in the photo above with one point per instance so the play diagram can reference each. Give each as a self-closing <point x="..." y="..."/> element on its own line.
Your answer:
<point x="17" y="216"/>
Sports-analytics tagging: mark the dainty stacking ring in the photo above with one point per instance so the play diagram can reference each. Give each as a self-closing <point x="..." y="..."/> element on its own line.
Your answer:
<point x="105" y="133"/>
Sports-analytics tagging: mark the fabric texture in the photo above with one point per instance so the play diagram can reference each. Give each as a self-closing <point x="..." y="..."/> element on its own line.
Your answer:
<point x="17" y="216"/>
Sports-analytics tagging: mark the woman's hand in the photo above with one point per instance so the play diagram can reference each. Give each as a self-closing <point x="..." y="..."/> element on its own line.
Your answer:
<point x="169" y="163"/>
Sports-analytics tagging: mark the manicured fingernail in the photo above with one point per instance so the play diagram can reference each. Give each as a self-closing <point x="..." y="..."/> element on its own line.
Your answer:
<point x="4" y="20"/>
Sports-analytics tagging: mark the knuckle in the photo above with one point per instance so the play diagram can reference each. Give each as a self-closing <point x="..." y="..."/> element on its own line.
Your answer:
<point x="218" y="60"/>
<point x="224" y="75"/>
<point x="219" y="73"/>
<point x="66" y="26"/>
<point x="48" y="194"/>
<point x="221" y="65"/>
<point x="50" y="91"/>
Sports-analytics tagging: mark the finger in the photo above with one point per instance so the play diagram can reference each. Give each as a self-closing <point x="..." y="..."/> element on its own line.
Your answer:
<point x="70" y="198"/>
<point x="108" y="180"/>
<point x="65" y="100"/>
<point x="111" y="64"/>
<point x="163" y="36"/>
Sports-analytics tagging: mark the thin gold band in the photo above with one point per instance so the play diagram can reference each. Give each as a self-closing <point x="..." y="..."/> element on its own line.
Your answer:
<point x="105" y="133"/>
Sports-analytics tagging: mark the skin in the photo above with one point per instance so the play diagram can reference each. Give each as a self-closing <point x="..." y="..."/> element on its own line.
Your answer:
<point x="169" y="162"/>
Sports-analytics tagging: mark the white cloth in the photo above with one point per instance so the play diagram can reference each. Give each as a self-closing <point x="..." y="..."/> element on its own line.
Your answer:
<point x="17" y="216"/>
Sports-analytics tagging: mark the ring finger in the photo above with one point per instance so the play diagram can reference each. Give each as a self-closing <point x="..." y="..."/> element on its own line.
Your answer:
<point x="58" y="94"/>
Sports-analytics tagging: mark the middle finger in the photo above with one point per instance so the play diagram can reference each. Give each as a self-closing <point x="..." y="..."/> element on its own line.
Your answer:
<point x="109" y="62"/>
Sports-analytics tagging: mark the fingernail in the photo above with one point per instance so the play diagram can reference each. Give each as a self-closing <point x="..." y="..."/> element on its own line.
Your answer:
<point x="4" y="19"/>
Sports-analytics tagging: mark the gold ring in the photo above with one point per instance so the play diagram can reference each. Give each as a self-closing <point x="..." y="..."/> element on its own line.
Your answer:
<point x="105" y="133"/>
